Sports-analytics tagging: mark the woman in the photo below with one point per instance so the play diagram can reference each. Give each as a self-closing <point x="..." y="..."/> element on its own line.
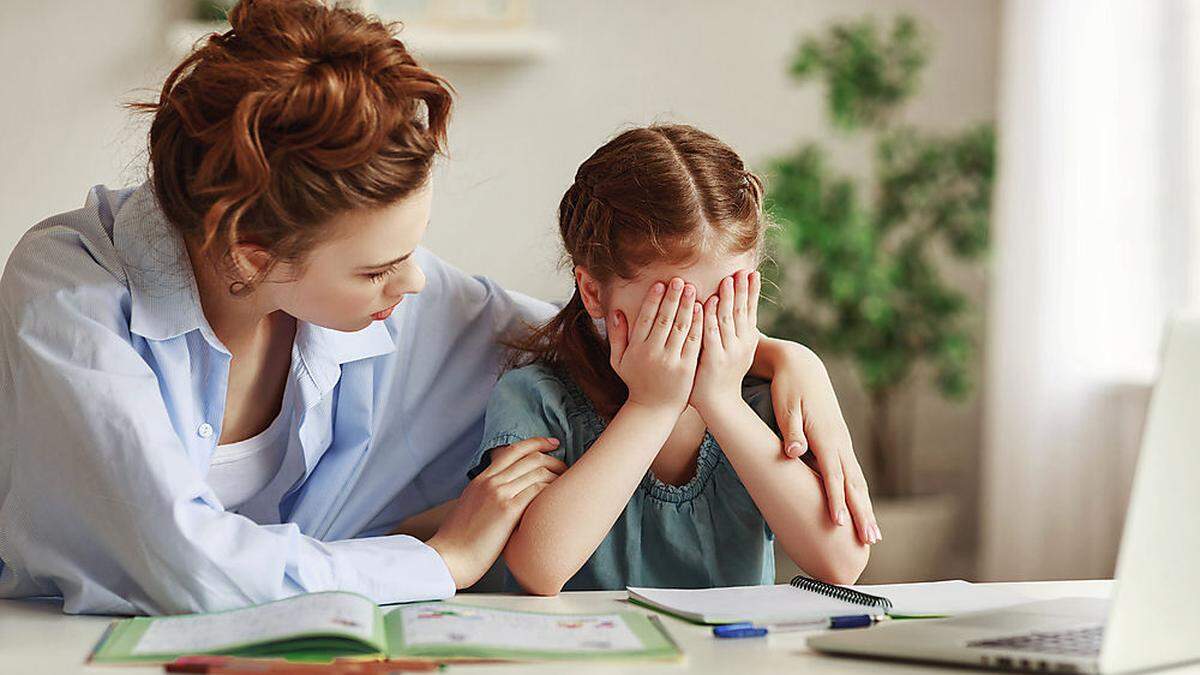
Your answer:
<point x="222" y="388"/>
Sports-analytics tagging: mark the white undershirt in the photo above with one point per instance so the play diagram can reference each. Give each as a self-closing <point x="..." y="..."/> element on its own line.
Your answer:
<point x="240" y="470"/>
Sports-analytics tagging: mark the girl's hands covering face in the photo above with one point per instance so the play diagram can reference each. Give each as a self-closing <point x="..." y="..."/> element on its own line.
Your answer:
<point x="656" y="356"/>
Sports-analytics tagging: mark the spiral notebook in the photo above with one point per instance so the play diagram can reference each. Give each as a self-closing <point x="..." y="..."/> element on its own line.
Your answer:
<point x="808" y="599"/>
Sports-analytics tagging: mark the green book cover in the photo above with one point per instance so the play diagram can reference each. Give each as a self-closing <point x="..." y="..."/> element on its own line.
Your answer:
<point x="323" y="626"/>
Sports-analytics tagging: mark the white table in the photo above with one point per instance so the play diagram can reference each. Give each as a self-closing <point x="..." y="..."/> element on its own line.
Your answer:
<point x="35" y="637"/>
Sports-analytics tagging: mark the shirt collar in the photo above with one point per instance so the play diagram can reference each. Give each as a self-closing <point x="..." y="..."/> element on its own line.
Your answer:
<point x="165" y="302"/>
<point x="164" y="299"/>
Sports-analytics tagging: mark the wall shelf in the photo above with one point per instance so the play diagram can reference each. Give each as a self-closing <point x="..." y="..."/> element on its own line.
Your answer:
<point x="427" y="43"/>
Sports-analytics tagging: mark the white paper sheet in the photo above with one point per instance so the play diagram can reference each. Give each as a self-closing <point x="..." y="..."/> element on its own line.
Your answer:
<point x="943" y="598"/>
<point x="782" y="603"/>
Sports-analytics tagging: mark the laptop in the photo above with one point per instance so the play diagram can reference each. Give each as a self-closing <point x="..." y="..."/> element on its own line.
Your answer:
<point x="1151" y="620"/>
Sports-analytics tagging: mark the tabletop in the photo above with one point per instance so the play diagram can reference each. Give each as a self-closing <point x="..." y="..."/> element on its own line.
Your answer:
<point x="36" y="637"/>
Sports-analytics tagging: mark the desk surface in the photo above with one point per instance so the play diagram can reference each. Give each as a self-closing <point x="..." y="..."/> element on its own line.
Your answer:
<point x="35" y="637"/>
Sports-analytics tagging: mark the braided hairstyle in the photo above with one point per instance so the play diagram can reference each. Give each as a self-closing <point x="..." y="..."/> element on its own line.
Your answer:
<point x="663" y="193"/>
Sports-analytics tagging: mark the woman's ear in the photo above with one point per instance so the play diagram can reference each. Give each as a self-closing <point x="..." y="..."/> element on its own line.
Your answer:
<point x="251" y="260"/>
<point x="589" y="290"/>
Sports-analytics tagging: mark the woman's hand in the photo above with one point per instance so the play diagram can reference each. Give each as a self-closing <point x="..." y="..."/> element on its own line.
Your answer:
<point x="657" y="357"/>
<point x="475" y="532"/>
<point x="730" y="340"/>
<point x="809" y="418"/>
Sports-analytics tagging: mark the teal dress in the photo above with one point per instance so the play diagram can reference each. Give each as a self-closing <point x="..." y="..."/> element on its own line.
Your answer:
<point x="702" y="534"/>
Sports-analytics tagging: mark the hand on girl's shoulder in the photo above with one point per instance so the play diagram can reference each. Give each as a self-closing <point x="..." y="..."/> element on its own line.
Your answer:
<point x="528" y="402"/>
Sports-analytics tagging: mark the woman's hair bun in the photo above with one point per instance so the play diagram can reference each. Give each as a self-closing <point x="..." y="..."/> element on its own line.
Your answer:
<point x="297" y="113"/>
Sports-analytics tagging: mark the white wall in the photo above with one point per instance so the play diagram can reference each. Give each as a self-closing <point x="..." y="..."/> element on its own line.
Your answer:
<point x="519" y="131"/>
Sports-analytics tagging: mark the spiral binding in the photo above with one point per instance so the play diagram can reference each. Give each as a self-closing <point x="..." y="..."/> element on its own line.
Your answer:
<point x="840" y="593"/>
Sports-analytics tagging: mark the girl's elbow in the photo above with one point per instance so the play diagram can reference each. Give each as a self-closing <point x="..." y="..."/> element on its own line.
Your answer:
<point x="532" y="578"/>
<point x="840" y="568"/>
<point x="538" y="583"/>
<point x="545" y="588"/>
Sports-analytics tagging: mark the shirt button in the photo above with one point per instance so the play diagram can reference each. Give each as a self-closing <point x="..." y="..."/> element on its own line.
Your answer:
<point x="205" y="430"/>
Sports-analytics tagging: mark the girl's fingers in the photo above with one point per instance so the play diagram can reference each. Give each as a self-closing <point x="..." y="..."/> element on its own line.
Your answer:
<point x="504" y="457"/>
<point x="741" y="298"/>
<point x="752" y="306"/>
<point x="725" y="310"/>
<point x="691" y="345"/>
<point x="666" y="313"/>
<point x="683" y="320"/>
<point x="618" y="337"/>
<point x="645" y="317"/>
<point x="712" y="331"/>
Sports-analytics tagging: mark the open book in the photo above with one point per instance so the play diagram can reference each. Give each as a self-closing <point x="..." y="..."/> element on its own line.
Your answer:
<point x="325" y="626"/>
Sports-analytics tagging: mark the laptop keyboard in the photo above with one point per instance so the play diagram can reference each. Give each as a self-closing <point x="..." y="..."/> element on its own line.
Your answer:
<point x="1074" y="642"/>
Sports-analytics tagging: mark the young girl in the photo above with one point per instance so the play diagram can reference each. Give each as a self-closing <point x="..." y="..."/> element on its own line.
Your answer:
<point x="675" y="472"/>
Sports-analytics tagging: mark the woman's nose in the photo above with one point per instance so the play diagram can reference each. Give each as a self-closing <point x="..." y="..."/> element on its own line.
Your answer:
<point x="407" y="284"/>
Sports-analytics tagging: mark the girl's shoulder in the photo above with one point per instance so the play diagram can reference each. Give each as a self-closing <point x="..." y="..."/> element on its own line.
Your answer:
<point x="535" y="401"/>
<point x="550" y="389"/>
<point x="542" y="392"/>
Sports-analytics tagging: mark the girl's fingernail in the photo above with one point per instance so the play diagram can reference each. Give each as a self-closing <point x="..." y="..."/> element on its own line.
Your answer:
<point x="878" y="534"/>
<point x="842" y="517"/>
<point x="676" y="284"/>
<point x="658" y="287"/>
<point x="794" y="449"/>
<point x="553" y="441"/>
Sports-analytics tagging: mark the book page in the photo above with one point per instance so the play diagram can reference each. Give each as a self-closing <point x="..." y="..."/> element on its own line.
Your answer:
<point x="458" y="625"/>
<point x="338" y="613"/>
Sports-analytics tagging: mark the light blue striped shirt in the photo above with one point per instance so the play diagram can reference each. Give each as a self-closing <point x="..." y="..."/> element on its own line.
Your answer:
<point x="112" y="393"/>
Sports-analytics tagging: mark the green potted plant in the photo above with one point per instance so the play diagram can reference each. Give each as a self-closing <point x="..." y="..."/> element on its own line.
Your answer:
<point x="859" y="269"/>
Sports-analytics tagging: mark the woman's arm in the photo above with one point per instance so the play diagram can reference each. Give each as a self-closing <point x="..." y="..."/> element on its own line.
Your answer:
<point x="425" y="524"/>
<point x="568" y="520"/>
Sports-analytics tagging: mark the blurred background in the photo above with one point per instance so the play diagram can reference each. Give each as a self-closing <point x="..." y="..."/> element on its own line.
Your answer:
<point x="984" y="208"/>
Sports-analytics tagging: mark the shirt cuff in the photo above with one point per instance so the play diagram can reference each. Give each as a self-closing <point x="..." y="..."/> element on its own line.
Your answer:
<point x="391" y="569"/>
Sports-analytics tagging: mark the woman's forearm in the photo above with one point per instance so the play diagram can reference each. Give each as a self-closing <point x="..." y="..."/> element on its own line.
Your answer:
<point x="425" y="524"/>
<point x="767" y="357"/>
<point x="788" y="493"/>
<point x="567" y="521"/>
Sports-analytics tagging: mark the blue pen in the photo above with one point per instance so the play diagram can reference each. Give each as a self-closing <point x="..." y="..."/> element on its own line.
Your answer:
<point x="744" y="630"/>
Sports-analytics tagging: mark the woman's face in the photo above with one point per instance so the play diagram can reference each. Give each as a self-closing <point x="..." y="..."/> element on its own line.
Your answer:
<point x="361" y="274"/>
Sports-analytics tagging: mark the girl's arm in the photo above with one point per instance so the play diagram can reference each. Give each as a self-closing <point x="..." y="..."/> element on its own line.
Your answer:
<point x="809" y="418"/>
<point x="566" y="522"/>
<point x="787" y="492"/>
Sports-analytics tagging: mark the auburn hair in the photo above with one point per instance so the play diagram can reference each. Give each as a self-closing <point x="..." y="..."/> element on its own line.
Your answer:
<point x="663" y="193"/>
<point x="299" y="112"/>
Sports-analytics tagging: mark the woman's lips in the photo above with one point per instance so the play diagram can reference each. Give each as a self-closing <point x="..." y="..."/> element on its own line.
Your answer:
<point x="385" y="313"/>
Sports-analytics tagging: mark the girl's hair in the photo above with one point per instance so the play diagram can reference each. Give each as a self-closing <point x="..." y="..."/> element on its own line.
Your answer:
<point x="298" y="113"/>
<point x="664" y="193"/>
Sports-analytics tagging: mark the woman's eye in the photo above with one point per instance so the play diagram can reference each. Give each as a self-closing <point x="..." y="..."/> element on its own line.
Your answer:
<point x="377" y="276"/>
